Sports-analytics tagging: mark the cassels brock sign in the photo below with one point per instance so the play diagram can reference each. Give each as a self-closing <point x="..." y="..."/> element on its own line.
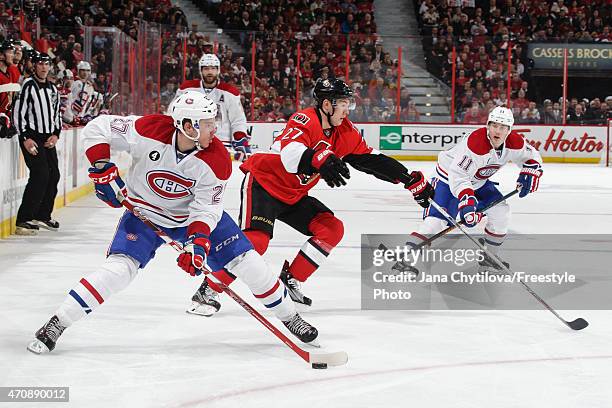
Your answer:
<point x="593" y="57"/>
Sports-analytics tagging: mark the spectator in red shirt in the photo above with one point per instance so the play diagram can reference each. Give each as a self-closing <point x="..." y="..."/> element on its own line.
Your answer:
<point x="77" y="54"/>
<point x="516" y="82"/>
<point x="4" y="11"/>
<point x="520" y="103"/>
<point x="473" y="116"/>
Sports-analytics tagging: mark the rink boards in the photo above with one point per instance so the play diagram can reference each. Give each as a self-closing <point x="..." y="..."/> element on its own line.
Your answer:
<point x="566" y="144"/>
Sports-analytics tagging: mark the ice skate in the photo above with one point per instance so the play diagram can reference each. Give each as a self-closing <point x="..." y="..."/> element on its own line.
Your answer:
<point x="488" y="265"/>
<point x="205" y="302"/>
<point x="293" y="286"/>
<point x="302" y="330"/>
<point x="46" y="337"/>
<point x="51" y="225"/>
<point x="26" y="228"/>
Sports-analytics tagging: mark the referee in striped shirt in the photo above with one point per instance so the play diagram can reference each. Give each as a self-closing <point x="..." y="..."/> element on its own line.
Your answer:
<point x="37" y="118"/>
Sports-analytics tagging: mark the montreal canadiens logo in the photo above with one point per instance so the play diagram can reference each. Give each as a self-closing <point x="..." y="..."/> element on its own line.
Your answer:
<point x="485" y="172"/>
<point x="169" y="185"/>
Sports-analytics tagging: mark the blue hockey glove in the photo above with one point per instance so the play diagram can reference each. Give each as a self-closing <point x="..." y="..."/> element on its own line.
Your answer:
<point x="242" y="149"/>
<point x="467" y="209"/>
<point x="529" y="178"/>
<point x="108" y="184"/>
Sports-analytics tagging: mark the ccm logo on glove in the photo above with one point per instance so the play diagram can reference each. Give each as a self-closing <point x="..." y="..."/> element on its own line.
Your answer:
<point x="105" y="178"/>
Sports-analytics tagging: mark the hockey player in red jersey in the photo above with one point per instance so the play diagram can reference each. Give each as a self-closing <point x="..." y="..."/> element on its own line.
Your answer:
<point x="6" y="61"/>
<point x="233" y="125"/>
<point x="317" y="143"/>
<point x="14" y="66"/>
<point x="8" y="87"/>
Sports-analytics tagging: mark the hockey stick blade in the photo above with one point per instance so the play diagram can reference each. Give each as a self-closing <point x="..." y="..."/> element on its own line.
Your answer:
<point x="337" y="358"/>
<point x="577" y="324"/>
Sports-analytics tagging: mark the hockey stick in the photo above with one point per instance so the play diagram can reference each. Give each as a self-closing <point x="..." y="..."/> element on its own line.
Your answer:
<point x="317" y="360"/>
<point x="577" y="324"/>
<point x="106" y="104"/>
<point x="401" y="266"/>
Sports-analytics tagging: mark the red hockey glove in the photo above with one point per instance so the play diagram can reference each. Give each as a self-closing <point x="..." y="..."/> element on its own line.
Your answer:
<point x="420" y="188"/>
<point x="193" y="260"/>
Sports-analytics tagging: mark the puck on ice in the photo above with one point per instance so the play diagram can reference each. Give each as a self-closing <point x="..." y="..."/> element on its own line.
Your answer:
<point x="319" y="365"/>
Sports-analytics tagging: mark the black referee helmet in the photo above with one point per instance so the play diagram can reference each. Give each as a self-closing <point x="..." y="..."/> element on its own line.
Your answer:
<point x="41" y="57"/>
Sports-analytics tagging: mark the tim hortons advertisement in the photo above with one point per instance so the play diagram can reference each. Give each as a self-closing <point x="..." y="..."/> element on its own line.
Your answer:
<point x="581" y="144"/>
<point x="555" y="143"/>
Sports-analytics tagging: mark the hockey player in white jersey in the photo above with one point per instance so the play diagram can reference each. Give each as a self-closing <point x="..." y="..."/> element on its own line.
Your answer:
<point x="177" y="179"/>
<point x="93" y="107"/>
<point x="233" y="125"/>
<point x="81" y="96"/>
<point x="65" y="79"/>
<point x="462" y="184"/>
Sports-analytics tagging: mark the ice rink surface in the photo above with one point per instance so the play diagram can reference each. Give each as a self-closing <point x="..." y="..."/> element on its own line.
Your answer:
<point x="140" y="349"/>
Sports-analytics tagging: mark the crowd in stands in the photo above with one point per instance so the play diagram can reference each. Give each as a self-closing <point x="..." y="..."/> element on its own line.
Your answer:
<point x="482" y="32"/>
<point x="62" y="27"/>
<point x="324" y="29"/>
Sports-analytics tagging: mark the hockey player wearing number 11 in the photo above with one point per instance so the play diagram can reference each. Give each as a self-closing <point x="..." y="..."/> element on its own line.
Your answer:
<point x="177" y="179"/>
<point x="462" y="184"/>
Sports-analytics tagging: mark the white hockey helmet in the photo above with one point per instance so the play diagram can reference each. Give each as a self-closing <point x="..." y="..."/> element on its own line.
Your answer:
<point x="83" y="65"/>
<point x="194" y="106"/>
<point x="65" y="74"/>
<point x="503" y="115"/>
<point x="209" y="60"/>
